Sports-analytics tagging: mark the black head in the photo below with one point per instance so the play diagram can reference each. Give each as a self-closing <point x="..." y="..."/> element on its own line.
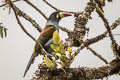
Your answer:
<point x="57" y="16"/>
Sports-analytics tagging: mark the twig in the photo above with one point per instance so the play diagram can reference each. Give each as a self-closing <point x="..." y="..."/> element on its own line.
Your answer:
<point x="95" y="39"/>
<point x="103" y="35"/>
<point x="100" y="13"/>
<point x="55" y="7"/>
<point x="27" y="1"/>
<point x="6" y="4"/>
<point x="28" y="18"/>
<point x="116" y="34"/>
<point x="52" y="6"/>
<point x="98" y="55"/>
<point x="65" y="30"/>
<point x="22" y="27"/>
<point x="113" y="43"/>
<point x="115" y="24"/>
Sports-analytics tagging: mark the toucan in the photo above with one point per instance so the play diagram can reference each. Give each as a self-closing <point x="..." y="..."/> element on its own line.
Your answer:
<point x="45" y="38"/>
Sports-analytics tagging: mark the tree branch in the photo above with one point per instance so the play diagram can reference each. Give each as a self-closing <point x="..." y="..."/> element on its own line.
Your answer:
<point x="22" y="27"/>
<point x="55" y="7"/>
<point x="98" y="55"/>
<point x="100" y="13"/>
<point x="51" y="6"/>
<point x="28" y="2"/>
<point x="65" y="30"/>
<point x="82" y="73"/>
<point x="88" y="42"/>
<point x="28" y="18"/>
<point x="6" y="4"/>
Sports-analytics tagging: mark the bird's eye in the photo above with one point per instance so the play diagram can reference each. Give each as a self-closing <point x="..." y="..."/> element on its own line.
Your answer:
<point x="57" y="16"/>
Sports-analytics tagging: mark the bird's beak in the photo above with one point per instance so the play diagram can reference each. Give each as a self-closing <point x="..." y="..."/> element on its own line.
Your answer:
<point x="67" y="14"/>
<point x="64" y="14"/>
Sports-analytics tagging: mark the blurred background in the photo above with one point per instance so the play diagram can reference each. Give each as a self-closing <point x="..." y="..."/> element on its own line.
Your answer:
<point x="17" y="47"/>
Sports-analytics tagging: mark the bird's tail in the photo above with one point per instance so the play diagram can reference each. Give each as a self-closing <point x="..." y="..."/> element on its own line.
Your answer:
<point x="30" y="62"/>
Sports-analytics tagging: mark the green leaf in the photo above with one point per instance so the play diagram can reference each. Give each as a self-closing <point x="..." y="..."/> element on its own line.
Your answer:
<point x="56" y="37"/>
<point x="3" y="31"/>
<point x="49" y="63"/>
<point x="55" y="47"/>
<point x="62" y="64"/>
<point x="63" y="58"/>
<point x="62" y="50"/>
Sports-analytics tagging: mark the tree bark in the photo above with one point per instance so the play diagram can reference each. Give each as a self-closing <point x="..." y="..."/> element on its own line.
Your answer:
<point x="81" y="73"/>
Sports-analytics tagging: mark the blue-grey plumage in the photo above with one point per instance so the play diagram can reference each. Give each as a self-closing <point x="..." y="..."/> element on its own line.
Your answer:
<point x="45" y="38"/>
